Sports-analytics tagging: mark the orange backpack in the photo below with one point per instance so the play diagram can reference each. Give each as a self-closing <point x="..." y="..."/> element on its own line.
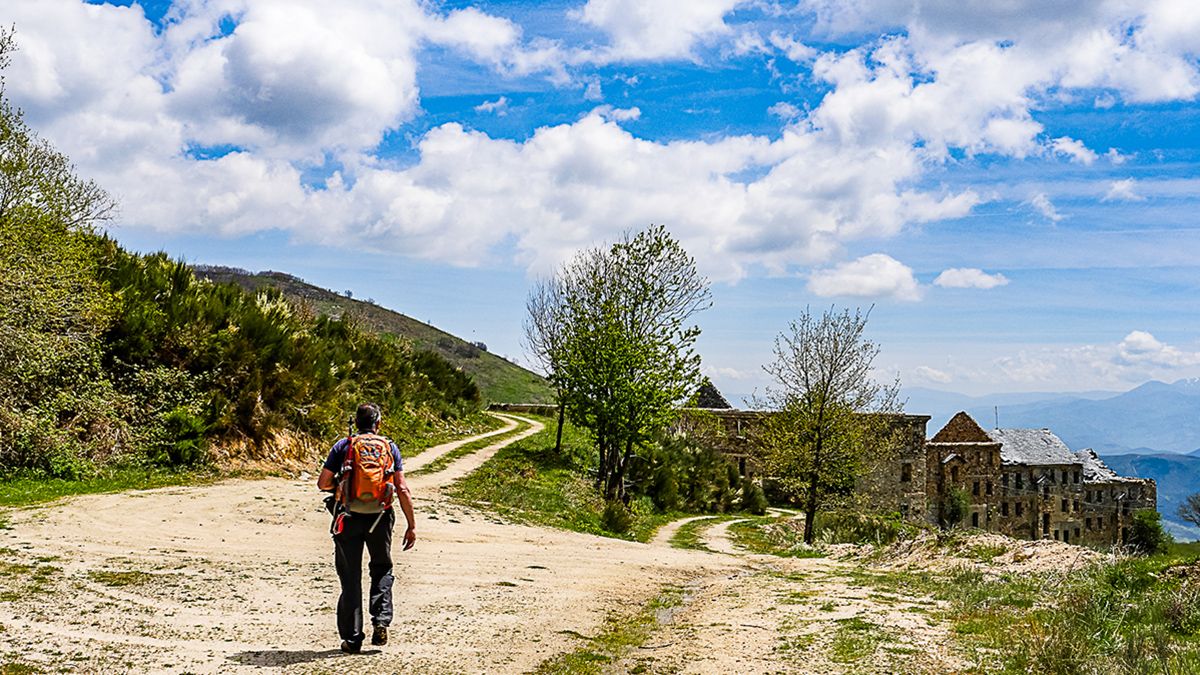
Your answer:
<point x="367" y="471"/>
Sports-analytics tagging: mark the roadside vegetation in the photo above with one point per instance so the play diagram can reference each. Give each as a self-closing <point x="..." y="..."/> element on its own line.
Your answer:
<point x="529" y="481"/>
<point x="113" y="362"/>
<point x="1134" y="615"/>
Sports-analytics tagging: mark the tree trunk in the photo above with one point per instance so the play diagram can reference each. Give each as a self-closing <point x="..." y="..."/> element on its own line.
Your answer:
<point x="562" y="408"/>
<point x="602" y="469"/>
<point x="621" y="472"/>
<point x="810" y="511"/>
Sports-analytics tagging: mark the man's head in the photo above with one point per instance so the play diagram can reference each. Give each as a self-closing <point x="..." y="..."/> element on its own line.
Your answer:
<point x="367" y="417"/>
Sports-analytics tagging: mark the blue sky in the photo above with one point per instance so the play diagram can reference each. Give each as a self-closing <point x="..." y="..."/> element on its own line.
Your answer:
<point x="1012" y="186"/>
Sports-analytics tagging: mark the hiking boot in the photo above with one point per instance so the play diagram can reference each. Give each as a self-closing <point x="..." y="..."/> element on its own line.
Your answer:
<point x="351" y="647"/>
<point x="379" y="637"/>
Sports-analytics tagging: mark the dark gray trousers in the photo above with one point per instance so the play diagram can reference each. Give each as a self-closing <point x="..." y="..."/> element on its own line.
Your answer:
<point x="347" y="553"/>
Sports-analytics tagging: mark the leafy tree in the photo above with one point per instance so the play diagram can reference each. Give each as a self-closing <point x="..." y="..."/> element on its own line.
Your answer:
<point x="1146" y="533"/>
<point x="612" y="325"/>
<point x="955" y="507"/>
<point x="819" y="438"/>
<point x="1189" y="510"/>
<point x="52" y="308"/>
<point x="545" y="335"/>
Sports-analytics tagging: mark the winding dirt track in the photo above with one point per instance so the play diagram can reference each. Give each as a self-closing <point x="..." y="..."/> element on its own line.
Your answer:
<point x="238" y="577"/>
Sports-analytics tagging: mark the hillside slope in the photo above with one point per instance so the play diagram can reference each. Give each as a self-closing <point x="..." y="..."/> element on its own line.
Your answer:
<point x="500" y="380"/>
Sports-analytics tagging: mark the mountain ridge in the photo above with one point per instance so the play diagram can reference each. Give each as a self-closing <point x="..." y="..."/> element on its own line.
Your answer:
<point x="499" y="380"/>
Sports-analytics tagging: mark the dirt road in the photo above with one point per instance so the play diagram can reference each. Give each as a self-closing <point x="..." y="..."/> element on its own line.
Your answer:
<point x="238" y="577"/>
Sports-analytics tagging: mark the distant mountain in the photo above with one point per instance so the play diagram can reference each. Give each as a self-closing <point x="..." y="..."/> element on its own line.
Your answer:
<point x="1177" y="477"/>
<point x="500" y="380"/>
<point x="1153" y="418"/>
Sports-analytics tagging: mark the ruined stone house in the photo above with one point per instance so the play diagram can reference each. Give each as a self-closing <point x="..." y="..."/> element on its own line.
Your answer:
<point x="1025" y="483"/>
<point x="1028" y="484"/>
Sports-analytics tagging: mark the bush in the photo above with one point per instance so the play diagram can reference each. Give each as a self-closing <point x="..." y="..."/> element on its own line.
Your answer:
<point x="1146" y="534"/>
<point x="754" y="500"/>
<point x="849" y="527"/>
<point x="616" y="518"/>
<point x="184" y="440"/>
<point x="680" y="473"/>
<point x="955" y="507"/>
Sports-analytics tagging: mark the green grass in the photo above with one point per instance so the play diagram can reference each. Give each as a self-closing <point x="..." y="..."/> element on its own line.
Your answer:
<point x="529" y="482"/>
<point x="689" y="534"/>
<point x="413" y="444"/>
<point x="618" y="635"/>
<point x="782" y="537"/>
<point x="1132" y="616"/>
<point x="855" y="640"/>
<point x="464" y="450"/>
<point x="30" y="490"/>
<point x="11" y="667"/>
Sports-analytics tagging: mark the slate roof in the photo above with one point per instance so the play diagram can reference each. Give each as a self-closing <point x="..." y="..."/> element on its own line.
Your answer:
<point x="1032" y="446"/>
<point x="1096" y="471"/>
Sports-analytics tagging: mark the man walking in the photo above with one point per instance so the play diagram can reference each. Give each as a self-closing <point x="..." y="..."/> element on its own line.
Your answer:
<point x="366" y="472"/>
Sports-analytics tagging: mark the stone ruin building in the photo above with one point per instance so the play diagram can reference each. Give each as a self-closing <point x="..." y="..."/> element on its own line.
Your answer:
<point x="1025" y="483"/>
<point x="1028" y="484"/>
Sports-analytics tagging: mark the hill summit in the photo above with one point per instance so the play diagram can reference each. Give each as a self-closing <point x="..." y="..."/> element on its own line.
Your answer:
<point x="498" y="379"/>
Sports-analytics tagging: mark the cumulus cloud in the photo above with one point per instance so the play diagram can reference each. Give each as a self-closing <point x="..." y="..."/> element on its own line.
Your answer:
<point x="1122" y="191"/>
<point x="1042" y="204"/>
<point x="657" y="29"/>
<point x="198" y="127"/>
<point x="1075" y="150"/>
<point x="1142" y="348"/>
<point x="969" y="277"/>
<point x="872" y="276"/>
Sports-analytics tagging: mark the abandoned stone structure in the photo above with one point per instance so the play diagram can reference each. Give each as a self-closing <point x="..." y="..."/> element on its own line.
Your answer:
<point x="1027" y="483"/>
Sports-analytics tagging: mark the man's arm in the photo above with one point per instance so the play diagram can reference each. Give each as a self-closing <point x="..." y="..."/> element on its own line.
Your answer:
<point x="325" y="480"/>
<point x="406" y="505"/>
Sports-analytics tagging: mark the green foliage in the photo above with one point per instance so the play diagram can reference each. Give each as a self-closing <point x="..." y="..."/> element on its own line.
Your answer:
<point x="685" y="474"/>
<point x="1146" y="533"/>
<point x="611" y="328"/>
<point x="1137" y="615"/>
<point x="774" y="536"/>
<point x="529" y="481"/>
<point x="753" y="499"/>
<point x="853" y="527"/>
<point x="616" y="517"/>
<point x="112" y="357"/>
<point x="818" y="442"/>
<point x="955" y="507"/>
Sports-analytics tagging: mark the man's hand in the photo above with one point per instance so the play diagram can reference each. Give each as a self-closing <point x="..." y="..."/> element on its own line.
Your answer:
<point x="410" y="538"/>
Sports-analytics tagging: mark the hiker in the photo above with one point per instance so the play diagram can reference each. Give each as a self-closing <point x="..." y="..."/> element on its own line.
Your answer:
<point x="365" y="472"/>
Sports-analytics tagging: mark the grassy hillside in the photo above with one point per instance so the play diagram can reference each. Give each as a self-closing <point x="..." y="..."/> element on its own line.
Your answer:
<point x="500" y="380"/>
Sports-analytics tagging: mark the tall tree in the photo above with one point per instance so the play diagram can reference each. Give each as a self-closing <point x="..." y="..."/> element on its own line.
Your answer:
<point x="618" y="341"/>
<point x="820" y="438"/>
<point x="545" y="333"/>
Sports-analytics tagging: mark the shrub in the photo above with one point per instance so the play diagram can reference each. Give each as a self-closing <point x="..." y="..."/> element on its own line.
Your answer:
<point x="184" y="439"/>
<point x="1146" y="534"/>
<point x="616" y="518"/>
<point x="753" y="499"/>
<point x="955" y="507"/>
<point x="849" y="527"/>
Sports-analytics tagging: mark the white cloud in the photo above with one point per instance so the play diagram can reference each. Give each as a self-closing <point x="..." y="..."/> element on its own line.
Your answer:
<point x="593" y="92"/>
<point x="1122" y="191"/>
<point x="969" y="277"/>
<point x="785" y="111"/>
<point x="1141" y="348"/>
<point x="1044" y="206"/>
<point x="499" y="106"/>
<point x="933" y="375"/>
<point x="728" y="373"/>
<point x="617" y="114"/>
<point x="655" y="29"/>
<point x="872" y="276"/>
<point x="1075" y="150"/>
